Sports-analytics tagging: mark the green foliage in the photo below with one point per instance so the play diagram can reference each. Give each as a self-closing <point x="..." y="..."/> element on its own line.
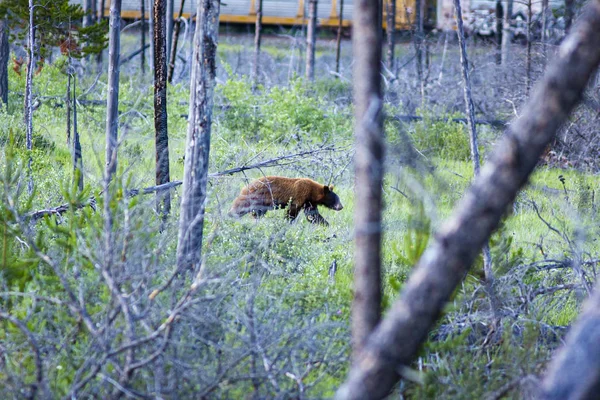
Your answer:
<point x="58" y="24"/>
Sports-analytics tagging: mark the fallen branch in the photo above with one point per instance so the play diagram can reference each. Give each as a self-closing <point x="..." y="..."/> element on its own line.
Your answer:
<point x="496" y="123"/>
<point x="133" y="55"/>
<point x="34" y="216"/>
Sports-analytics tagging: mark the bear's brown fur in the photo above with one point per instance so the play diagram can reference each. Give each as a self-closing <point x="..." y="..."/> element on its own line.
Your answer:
<point x="295" y="194"/>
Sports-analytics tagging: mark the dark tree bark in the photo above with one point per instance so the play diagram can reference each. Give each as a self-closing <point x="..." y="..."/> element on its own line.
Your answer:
<point x="338" y="40"/>
<point x="87" y="9"/>
<point x="195" y="173"/>
<point x="29" y="95"/>
<point x="143" y="35"/>
<point x="4" y="55"/>
<point x="418" y="42"/>
<point x="507" y="35"/>
<point x="311" y="38"/>
<point x="368" y="164"/>
<point x="257" y="37"/>
<point x="544" y="28"/>
<point x="112" y="102"/>
<point x="163" y="201"/>
<point x="569" y="14"/>
<point x="77" y="159"/>
<point x="528" y="59"/>
<point x="396" y="340"/>
<point x="471" y="125"/>
<point x="68" y="103"/>
<point x="499" y="17"/>
<point x="173" y="53"/>
<point x="391" y="29"/>
<point x="169" y="27"/>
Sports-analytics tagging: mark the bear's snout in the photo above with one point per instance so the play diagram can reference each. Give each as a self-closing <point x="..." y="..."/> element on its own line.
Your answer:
<point x="338" y="206"/>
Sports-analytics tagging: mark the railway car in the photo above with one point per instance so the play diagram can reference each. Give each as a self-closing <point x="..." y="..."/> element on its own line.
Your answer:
<point x="276" y="12"/>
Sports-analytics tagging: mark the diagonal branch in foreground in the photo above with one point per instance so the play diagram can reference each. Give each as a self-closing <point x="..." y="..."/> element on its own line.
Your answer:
<point x="397" y="338"/>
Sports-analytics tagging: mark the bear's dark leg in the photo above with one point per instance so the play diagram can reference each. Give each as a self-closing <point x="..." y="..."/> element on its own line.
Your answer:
<point x="292" y="213"/>
<point x="258" y="213"/>
<point x="313" y="216"/>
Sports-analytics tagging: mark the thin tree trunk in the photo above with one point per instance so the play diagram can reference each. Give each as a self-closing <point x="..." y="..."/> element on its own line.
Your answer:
<point x="195" y="172"/>
<point x="569" y="14"/>
<point x="112" y="103"/>
<point x="499" y="17"/>
<point x="169" y="27"/>
<point x="77" y="159"/>
<point x="151" y="31"/>
<point x="163" y="200"/>
<point x="87" y="9"/>
<point x="29" y="96"/>
<point x="418" y="41"/>
<point x="257" y="37"/>
<point x="143" y="35"/>
<point x="4" y="55"/>
<point x="338" y="40"/>
<point x="310" y="40"/>
<point x="368" y="164"/>
<point x="391" y="29"/>
<point x="544" y="28"/>
<point x="100" y="18"/>
<point x="173" y="53"/>
<point x="507" y="34"/>
<point x="528" y="59"/>
<point x="487" y="257"/>
<point x="397" y="338"/>
<point x="68" y="102"/>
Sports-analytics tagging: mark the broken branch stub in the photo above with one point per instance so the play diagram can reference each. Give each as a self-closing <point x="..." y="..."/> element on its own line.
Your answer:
<point x="395" y="341"/>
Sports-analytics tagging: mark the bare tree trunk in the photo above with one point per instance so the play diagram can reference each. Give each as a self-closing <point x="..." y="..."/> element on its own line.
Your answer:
<point x="112" y="102"/>
<point x="418" y="41"/>
<point x="173" y="53"/>
<point x="528" y="59"/>
<point x="507" y="34"/>
<point x="169" y="31"/>
<point x="544" y="28"/>
<point x="574" y="372"/>
<point x="569" y="14"/>
<point x="310" y="40"/>
<point x="195" y="173"/>
<point x="77" y="160"/>
<point x="257" y="37"/>
<point x="163" y="200"/>
<point x="487" y="257"/>
<point x="100" y="18"/>
<point x="68" y="101"/>
<point x="368" y="165"/>
<point x="391" y="29"/>
<point x="151" y="31"/>
<point x="143" y="35"/>
<point x="338" y="40"/>
<point x="4" y="55"/>
<point x="396" y="340"/>
<point x="499" y="16"/>
<point x="87" y="9"/>
<point x="29" y="96"/>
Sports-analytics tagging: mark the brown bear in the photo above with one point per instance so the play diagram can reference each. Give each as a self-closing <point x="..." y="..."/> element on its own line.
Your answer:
<point x="295" y="194"/>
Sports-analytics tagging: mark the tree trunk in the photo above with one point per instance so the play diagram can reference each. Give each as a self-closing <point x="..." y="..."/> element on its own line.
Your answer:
<point x="68" y="102"/>
<point x="77" y="160"/>
<point x="310" y="40"/>
<point x="418" y="42"/>
<point x="29" y="96"/>
<point x="507" y="34"/>
<point x="257" y="37"/>
<point x="528" y="59"/>
<point x="173" y="53"/>
<point x="87" y="9"/>
<point x="4" y="55"/>
<point x="487" y="257"/>
<point x="112" y="102"/>
<point x="397" y="338"/>
<point x="169" y="27"/>
<point x="544" y="28"/>
<point x="499" y="16"/>
<point x="163" y="200"/>
<point x="143" y="35"/>
<point x="569" y="14"/>
<point x="368" y="165"/>
<point x="151" y="31"/>
<point x="100" y="18"/>
<point x="391" y="29"/>
<point x="195" y="173"/>
<point x="338" y="40"/>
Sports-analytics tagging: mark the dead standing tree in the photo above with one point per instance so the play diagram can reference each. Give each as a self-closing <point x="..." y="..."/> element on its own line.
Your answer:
<point x="311" y="40"/>
<point x="507" y="35"/>
<point x="390" y="30"/>
<point x="195" y="172"/>
<point x="338" y="40"/>
<point x="161" y="134"/>
<point x="396" y="340"/>
<point x="173" y="53"/>
<point x="368" y="165"/>
<point x="4" y="54"/>
<point x="487" y="256"/>
<point x="29" y="96"/>
<point x="257" y="38"/>
<point x="143" y="35"/>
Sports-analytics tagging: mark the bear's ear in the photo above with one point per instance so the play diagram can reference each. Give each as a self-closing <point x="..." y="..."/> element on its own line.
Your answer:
<point x="326" y="189"/>
<point x="331" y="187"/>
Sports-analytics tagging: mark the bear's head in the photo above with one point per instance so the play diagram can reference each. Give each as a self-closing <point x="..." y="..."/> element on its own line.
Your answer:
<point x="330" y="199"/>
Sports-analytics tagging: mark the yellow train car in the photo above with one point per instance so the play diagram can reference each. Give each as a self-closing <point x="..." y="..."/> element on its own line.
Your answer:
<point x="278" y="12"/>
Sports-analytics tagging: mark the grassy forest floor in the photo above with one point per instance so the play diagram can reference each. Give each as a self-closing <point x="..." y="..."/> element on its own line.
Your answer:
<point x="272" y="318"/>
